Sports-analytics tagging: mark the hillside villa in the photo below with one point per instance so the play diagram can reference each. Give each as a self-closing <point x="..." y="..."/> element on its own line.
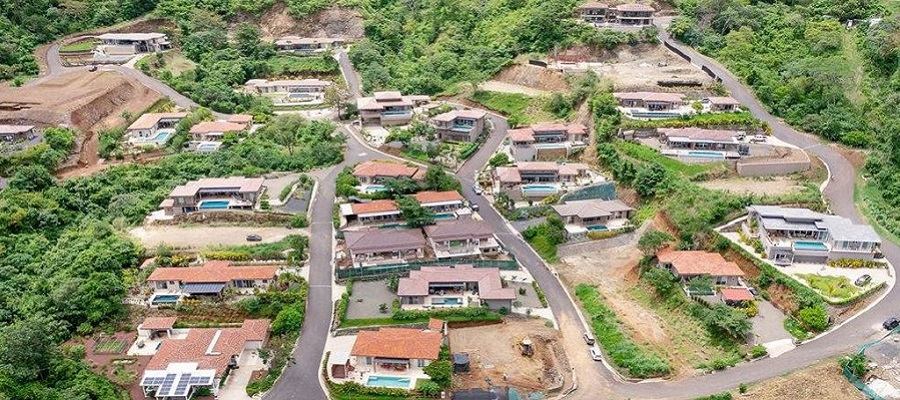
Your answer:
<point x="190" y="359"/>
<point x="455" y="286"/>
<point x="470" y="238"/>
<point x="624" y="15"/>
<point x="306" y="91"/>
<point x="459" y="125"/>
<point x="378" y="246"/>
<point x="214" y="194"/>
<point x="393" y="357"/>
<point x="539" y="179"/>
<point x="689" y="264"/>
<point x="211" y="278"/>
<point x="442" y="204"/>
<point x="704" y="143"/>
<point x="799" y="235"/>
<point x="306" y="45"/>
<point x="16" y="133"/>
<point x="594" y="215"/>
<point x="370" y="213"/>
<point x="207" y="136"/>
<point x="547" y="141"/>
<point x="113" y="44"/>
<point x="388" y="108"/>
<point x="652" y="104"/>
<point x="154" y="128"/>
<point x="722" y="104"/>
<point x="371" y="174"/>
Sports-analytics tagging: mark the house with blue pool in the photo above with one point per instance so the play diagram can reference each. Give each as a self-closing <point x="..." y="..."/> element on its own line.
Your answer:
<point x="153" y="129"/>
<point x="799" y="235"/>
<point x="462" y="285"/>
<point x="459" y="125"/>
<point x="547" y="141"/>
<point x="593" y="215"/>
<point x="214" y="194"/>
<point x="393" y="357"/>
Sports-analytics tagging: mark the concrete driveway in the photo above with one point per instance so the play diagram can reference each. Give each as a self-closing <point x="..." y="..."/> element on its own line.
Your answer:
<point x="768" y="324"/>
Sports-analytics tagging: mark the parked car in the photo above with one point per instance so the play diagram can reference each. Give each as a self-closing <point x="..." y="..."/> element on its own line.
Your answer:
<point x="474" y="207"/>
<point x="92" y="68"/>
<point x="588" y="338"/>
<point x="254" y="238"/>
<point x="863" y="280"/>
<point x="891" y="323"/>
<point x="595" y="353"/>
<point x="760" y="138"/>
<point x="753" y="291"/>
<point x="704" y="100"/>
<point x="477" y="190"/>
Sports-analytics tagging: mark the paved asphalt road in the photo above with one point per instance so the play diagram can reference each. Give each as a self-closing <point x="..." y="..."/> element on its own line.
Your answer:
<point x="350" y="75"/>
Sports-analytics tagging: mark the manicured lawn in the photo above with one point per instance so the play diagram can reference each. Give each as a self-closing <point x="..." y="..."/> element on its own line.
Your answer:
<point x="521" y="109"/>
<point x="78" y="46"/>
<point x="646" y="154"/>
<point x="837" y="287"/>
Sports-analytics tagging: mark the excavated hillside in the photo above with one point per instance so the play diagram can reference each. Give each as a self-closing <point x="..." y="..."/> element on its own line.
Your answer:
<point x="331" y="22"/>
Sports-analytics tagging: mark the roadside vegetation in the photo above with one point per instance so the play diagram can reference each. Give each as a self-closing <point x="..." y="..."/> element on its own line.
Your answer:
<point x="520" y="109"/>
<point x="819" y="76"/>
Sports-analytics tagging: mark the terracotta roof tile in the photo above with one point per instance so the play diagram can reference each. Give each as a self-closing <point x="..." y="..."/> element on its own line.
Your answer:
<point x="736" y="294"/>
<point x="428" y="197"/>
<point x="193" y="348"/>
<point x="489" y="285"/>
<point x="385" y="169"/>
<point x="158" y="323"/>
<point x="376" y="206"/>
<point x="400" y="343"/>
<point x="435" y="324"/>
<point x="521" y="135"/>
<point x="213" y="271"/>
<point x="217" y="126"/>
<point x="694" y="262"/>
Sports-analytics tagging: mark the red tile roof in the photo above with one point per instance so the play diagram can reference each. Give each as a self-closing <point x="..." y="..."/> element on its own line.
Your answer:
<point x="193" y="348"/>
<point x="217" y="126"/>
<point x="437" y="197"/>
<point x="376" y="206"/>
<point x="724" y="101"/>
<point x="693" y="262"/>
<point x="157" y="323"/>
<point x="736" y="294"/>
<point x="435" y="324"/>
<point x="213" y="271"/>
<point x="489" y="285"/>
<point x="400" y="343"/>
<point x="384" y="168"/>
<point x="521" y="135"/>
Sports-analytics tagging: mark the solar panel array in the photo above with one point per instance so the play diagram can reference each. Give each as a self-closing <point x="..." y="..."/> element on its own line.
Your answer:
<point x="178" y="384"/>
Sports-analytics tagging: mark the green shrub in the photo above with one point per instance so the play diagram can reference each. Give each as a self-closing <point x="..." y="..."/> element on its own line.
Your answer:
<point x="440" y="372"/>
<point x="857" y="364"/>
<point x="540" y="293"/>
<point x="758" y="351"/>
<point x="855" y="263"/>
<point x="299" y="221"/>
<point x="814" y="318"/>
<point x="428" y="388"/>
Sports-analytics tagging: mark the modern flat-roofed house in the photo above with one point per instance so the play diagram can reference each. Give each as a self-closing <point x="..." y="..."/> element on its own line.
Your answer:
<point x="213" y="131"/>
<point x="547" y="141"/>
<point x="459" y="125"/>
<point x="211" y="278"/>
<point x="234" y="193"/>
<point x="594" y="12"/>
<point x="650" y="101"/>
<point x="200" y="359"/>
<point x="799" y="235"/>
<point x="723" y="104"/>
<point x="371" y="213"/>
<point x="147" y="126"/>
<point x="440" y="202"/>
<point x="16" y="133"/>
<point x="455" y="286"/>
<point x="462" y="239"/>
<point x="388" y="108"/>
<point x="689" y="264"/>
<point x="582" y="216"/>
<point x="375" y="172"/>
<point x="295" y="90"/>
<point x="539" y="179"/>
<point x="702" y="139"/>
<point x="378" y="245"/>
<point x="131" y="43"/>
<point x="398" y="352"/>
<point x="303" y="45"/>
<point x="632" y="14"/>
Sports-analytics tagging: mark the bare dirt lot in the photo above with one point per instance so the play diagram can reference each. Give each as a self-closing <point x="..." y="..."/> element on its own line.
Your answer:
<point x="87" y="101"/>
<point x="822" y="381"/>
<point x="527" y="79"/>
<point x="340" y="22"/>
<point x="196" y="237"/>
<point x="775" y="186"/>
<point x="636" y="68"/>
<point x="495" y="353"/>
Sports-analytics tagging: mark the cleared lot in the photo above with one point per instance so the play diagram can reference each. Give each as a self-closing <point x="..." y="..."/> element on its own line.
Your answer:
<point x="203" y="236"/>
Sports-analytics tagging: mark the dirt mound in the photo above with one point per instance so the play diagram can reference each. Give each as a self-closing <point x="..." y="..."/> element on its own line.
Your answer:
<point x="533" y="77"/>
<point x="331" y="22"/>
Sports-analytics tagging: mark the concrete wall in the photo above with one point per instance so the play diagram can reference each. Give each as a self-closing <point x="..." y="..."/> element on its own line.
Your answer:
<point x="497" y="304"/>
<point x="835" y="255"/>
<point x="771" y="168"/>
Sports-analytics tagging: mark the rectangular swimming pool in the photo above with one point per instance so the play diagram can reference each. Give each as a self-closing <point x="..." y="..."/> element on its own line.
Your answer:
<point x="446" y="301"/>
<point x="394" y="382"/>
<point x="164" y="299"/>
<point x="817" y="246"/>
<point x="706" y="154"/>
<point x="597" y="228"/>
<point x="446" y="216"/>
<point x="539" y="187"/>
<point x="214" y="205"/>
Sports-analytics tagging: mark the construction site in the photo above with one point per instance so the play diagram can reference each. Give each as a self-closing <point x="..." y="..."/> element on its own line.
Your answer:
<point x="522" y="354"/>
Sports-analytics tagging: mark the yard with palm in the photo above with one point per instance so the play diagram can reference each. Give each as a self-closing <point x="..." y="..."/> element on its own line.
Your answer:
<point x="837" y="287"/>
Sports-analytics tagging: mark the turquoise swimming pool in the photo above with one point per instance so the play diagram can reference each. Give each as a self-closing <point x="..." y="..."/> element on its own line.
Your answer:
<point x="644" y="114"/>
<point x="706" y="154"/>
<point x="443" y="217"/>
<point x="213" y="205"/>
<point x="816" y="246"/>
<point x="164" y="299"/>
<point x="539" y="187"/>
<point x="597" y="228"/>
<point x="464" y="128"/>
<point x="395" y="382"/>
<point x="375" y="188"/>
<point x="161" y="137"/>
<point x="446" y="301"/>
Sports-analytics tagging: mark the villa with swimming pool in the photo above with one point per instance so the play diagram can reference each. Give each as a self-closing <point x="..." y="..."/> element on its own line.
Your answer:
<point x="593" y="215"/>
<point x="169" y="285"/>
<point x="547" y="141"/>
<point x="702" y="143"/>
<point x="365" y="248"/>
<point x="799" y="235"/>
<point x="458" y="239"/>
<point x="535" y="180"/>
<point x="371" y="174"/>
<point x="459" y="125"/>
<point x="153" y="129"/>
<point x="288" y="92"/>
<point x="455" y="286"/>
<point x="214" y="194"/>
<point x="392" y="357"/>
